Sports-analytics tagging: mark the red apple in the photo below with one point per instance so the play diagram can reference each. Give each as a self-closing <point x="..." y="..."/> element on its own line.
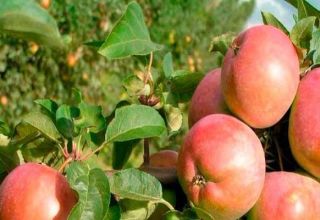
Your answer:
<point x="304" y="123"/>
<point x="260" y="76"/>
<point x="33" y="191"/>
<point x="221" y="166"/>
<point x="287" y="196"/>
<point x="164" y="158"/>
<point x="207" y="98"/>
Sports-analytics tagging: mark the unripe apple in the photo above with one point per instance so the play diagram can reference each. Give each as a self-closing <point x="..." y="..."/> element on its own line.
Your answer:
<point x="304" y="123"/>
<point x="260" y="76"/>
<point x="221" y="166"/>
<point x="33" y="191"/>
<point x="207" y="98"/>
<point x="287" y="196"/>
<point x="164" y="158"/>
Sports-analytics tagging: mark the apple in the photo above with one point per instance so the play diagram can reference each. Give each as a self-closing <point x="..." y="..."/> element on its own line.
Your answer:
<point x="287" y="195"/>
<point x="304" y="123"/>
<point x="260" y="76"/>
<point x="164" y="158"/>
<point x="207" y="98"/>
<point x="221" y="166"/>
<point x="34" y="191"/>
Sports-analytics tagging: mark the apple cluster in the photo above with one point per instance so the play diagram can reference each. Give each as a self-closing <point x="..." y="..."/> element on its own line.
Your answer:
<point x="221" y="164"/>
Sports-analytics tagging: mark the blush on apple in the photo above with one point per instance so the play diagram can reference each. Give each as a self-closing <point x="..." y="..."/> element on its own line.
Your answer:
<point x="304" y="123"/>
<point x="287" y="196"/>
<point x="260" y="76"/>
<point x="33" y="191"/>
<point x="221" y="166"/>
<point x="207" y="98"/>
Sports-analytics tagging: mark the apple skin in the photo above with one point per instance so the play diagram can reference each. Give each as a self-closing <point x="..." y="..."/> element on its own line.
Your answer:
<point x="221" y="166"/>
<point x="33" y="191"/>
<point x="260" y="76"/>
<point x="304" y="123"/>
<point x="289" y="196"/>
<point x="207" y="98"/>
<point x="164" y="158"/>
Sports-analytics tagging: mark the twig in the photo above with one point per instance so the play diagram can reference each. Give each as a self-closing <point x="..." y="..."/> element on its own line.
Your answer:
<point x="146" y="152"/>
<point x="279" y="154"/>
<point x="65" y="163"/>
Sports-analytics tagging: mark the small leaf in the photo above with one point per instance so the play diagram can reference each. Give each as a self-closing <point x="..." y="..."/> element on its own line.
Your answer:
<point x="121" y="152"/>
<point x="301" y="33"/>
<point x="135" y="184"/>
<point x="203" y="214"/>
<point x="48" y="106"/>
<point x="4" y="128"/>
<point x="222" y="43"/>
<point x="136" y="210"/>
<point x="93" y="189"/>
<point x="8" y="160"/>
<point x="114" y="211"/>
<point x="44" y="124"/>
<point x="90" y="117"/>
<point x="135" y="86"/>
<point x="308" y="9"/>
<point x="270" y="19"/>
<point x="174" y="117"/>
<point x="64" y="120"/>
<point x="168" y="65"/>
<point x="315" y="47"/>
<point x="302" y="9"/>
<point x="187" y="214"/>
<point x="129" y="37"/>
<point x="135" y="122"/>
<point x="95" y="44"/>
<point x="27" y="20"/>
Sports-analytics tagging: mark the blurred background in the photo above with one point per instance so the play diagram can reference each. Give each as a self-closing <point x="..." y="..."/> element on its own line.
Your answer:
<point x="29" y="71"/>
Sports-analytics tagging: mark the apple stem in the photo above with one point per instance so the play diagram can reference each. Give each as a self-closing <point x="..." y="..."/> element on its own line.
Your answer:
<point x="164" y="202"/>
<point x="146" y="153"/>
<point x="65" y="163"/>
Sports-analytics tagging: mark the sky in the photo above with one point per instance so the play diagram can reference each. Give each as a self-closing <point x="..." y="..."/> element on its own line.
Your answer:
<point x="281" y="9"/>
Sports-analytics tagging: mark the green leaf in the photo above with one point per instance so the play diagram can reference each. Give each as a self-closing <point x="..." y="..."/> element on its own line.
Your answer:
<point x="183" y="83"/>
<point x="222" y="43"/>
<point x="93" y="189"/>
<point x="4" y="128"/>
<point x="114" y="211"/>
<point x="270" y="19"/>
<point x="187" y="214"/>
<point x="44" y="124"/>
<point x="173" y="117"/>
<point x="8" y="159"/>
<point x="97" y="44"/>
<point x="64" y="120"/>
<point x="129" y="37"/>
<point x="135" y="122"/>
<point x="135" y="86"/>
<point x="301" y="33"/>
<point x="48" y="106"/>
<point x="135" y="184"/>
<point x="27" y="20"/>
<point x="203" y="214"/>
<point x="306" y="9"/>
<point x="302" y="9"/>
<point x="121" y="152"/>
<point x="315" y="47"/>
<point x="90" y="117"/>
<point x="168" y="65"/>
<point x="136" y="210"/>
